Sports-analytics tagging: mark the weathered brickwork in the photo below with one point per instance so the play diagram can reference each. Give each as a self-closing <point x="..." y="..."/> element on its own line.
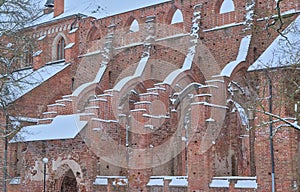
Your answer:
<point x="148" y="113"/>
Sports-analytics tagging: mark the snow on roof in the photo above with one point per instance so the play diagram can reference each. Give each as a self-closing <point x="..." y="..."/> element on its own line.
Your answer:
<point x="242" y="55"/>
<point x="283" y="51"/>
<point x="23" y="81"/>
<point x="96" y="8"/>
<point x="62" y="127"/>
<point x="14" y="15"/>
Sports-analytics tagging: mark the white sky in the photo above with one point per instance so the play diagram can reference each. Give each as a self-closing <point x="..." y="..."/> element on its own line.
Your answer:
<point x="118" y="6"/>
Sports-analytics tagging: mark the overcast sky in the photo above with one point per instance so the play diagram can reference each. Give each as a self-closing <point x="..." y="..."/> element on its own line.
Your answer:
<point x="117" y="6"/>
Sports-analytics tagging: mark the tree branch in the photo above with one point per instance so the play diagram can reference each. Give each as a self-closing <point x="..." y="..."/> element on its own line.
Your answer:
<point x="293" y="125"/>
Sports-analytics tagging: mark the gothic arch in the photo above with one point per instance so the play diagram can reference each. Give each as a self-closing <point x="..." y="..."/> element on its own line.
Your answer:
<point x="132" y="24"/>
<point x="69" y="183"/>
<point x="67" y="173"/>
<point x="224" y="6"/>
<point x="177" y="17"/>
<point x="134" y="27"/>
<point x="57" y="40"/>
<point x="93" y="34"/>
<point x="171" y="14"/>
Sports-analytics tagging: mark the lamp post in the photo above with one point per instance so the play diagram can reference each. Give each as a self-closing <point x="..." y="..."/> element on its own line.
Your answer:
<point x="45" y="161"/>
<point x="251" y="141"/>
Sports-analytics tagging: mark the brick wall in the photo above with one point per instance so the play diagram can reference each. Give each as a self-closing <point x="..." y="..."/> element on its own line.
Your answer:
<point x="229" y="155"/>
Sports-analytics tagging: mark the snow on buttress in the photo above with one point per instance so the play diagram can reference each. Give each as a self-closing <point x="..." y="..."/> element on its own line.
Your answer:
<point x="282" y="51"/>
<point x="242" y="114"/>
<point x="242" y="55"/>
<point x="23" y="81"/>
<point x="138" y="72"/>
<point x="96" y="80"/>
<point x="188" y="61"/>
<point x="62" y="127"/>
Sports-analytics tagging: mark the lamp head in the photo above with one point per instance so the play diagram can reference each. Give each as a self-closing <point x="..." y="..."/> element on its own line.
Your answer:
<point x="45" y="160"/>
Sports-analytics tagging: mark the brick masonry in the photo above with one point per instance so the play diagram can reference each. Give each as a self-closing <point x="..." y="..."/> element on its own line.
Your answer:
<point x="138" y="131"/>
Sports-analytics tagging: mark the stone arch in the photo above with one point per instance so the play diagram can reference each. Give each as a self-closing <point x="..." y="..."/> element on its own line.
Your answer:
<point x="233" y="145"/>
<point x="66" y="171"/>
<point x="225" y="6"/>
<point x="170" y="14"/>
<point x="134" y="27"/>
<point x="132" y="24"/>
<point x="93" y="34"/>
<point x="56" y="40"/>
<point x="69" y="183"/>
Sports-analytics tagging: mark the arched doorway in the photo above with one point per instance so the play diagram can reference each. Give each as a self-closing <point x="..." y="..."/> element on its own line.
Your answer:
<point x="69" y="183"/>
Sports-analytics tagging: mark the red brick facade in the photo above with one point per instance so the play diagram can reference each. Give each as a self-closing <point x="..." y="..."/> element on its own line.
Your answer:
<point x="143" y="122"/>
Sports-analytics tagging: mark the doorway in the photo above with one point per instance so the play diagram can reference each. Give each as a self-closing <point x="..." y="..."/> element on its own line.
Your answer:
<point x="69" y="183"/>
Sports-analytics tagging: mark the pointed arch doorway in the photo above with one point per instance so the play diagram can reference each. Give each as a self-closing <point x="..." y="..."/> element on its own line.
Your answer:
<point x="69" y="183"/>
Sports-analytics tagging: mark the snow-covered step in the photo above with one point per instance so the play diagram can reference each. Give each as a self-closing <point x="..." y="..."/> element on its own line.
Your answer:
<point x="56" y="107"/>
<point x="45" y="121"/>
<point x="142" y="105"/>
<point x="92" y="109"/>
<point x="87" y="116"/>
<point x="50" y="114"/>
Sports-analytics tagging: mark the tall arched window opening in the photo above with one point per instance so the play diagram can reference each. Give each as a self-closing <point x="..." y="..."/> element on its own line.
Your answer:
<point x="177" y="17"/>
<point x="227" y="6"/>
<point x="134" y="27"/>
<point x="60" y="49"/>
<point x="28" y="57"/>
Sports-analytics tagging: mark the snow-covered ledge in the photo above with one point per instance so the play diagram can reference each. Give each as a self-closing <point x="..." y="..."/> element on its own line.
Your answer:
<point x="239" y="182"/>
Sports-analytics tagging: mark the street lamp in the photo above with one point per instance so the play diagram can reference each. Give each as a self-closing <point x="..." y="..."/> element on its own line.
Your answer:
<point x="45" y="161"/>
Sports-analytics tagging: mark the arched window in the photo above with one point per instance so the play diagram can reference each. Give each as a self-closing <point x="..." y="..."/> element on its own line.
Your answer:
<point x="177" y="17"/>
<point x="28" y="57"/>
<point x="60" y="49"/>
<point x="134" y="27"/>
<point x="227" y="6"/>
